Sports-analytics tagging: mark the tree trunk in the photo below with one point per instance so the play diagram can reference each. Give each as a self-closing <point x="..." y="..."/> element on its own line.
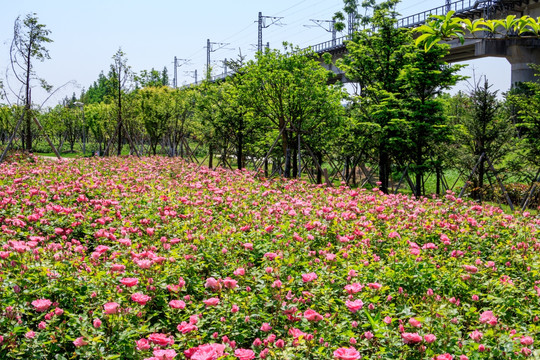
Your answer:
<point x="288" y="163"/>
<point x="210" y="157"/>
<point x="294" y="163"/>
<point x="319" y="170"/>
<point x="384" y="169"/>
<point x="239" y="151"/>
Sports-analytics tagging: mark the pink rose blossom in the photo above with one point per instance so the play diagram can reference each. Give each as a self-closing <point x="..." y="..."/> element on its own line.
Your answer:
<point x="164" y="354"/>
<point x="141" y="299"/>
<point x="79" y="342"/>
<point x="244" y="354"/>
<point x="266" y="327"/>
<point x="429" y="338"/>
<point x="142" y="344"/>
<point x="476" y="335"/>
<point x="309" y="277"/>
<point x="111" y="308"/>
<point x="526" y="340"/>
<point x="354" y="306"/>
<point x="312" y="315"/>
<point x="411" y="338"/>
<point x="129" y="282"/>
<point x="444" y="357"/>
<point x="186" y="327"/>
<point x="96" y="323"/>
<point x="346" y="354"/>
<point x="177" y="304"/>
<point x="211" y="302"/>
<point x="41" y="305"/>
<point x="160" y="339"/>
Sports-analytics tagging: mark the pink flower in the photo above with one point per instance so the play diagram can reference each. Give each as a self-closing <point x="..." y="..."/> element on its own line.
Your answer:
<point x="526" y="340"/>
<point x="280" y="343"/>
<point x="444" y="357"/>
<point x="111" y="308"/>
<point x="186" y="327"/>
<point x="470" y="269"/>
<point x="415" y="323"/>
<point x="411" y="338"/>
<point x="488" y="317"/>
<point x="368" y="335"/>
<point x="476" y="335"/>
<point x="212" y="284"/>
<point x="309" y="277"/>
<point x="244" y="354"/>
<point x="160" y="339"/>
<point x="42" y="325"/>
<point x="346" y="354"/>
<point x="387" y="320"/>
<point x="354" y="288"/>
<point x="58" y="311"/>
<point x="235" y="308"/>
<point x="129" y="282"/>
<point x="142" y="344"/>
<point x="354" y="306"/>
<point x="375" y="286"/>
<point x="177" y="304"/>
<point x="30" y="335"/>
<point x="79" y="342"/>
<point x="312" y="315"/>
<point x="165" y="354"/>
<point x="96" y="323"/>
<point x="230" y="283"/>
<point x="429" y="338"/>
<point x="211" y="302"/>
<point x="141" y="299"/>
<point x="266" y="327"/>
<point x="239" y="272"/>
<point x="41" y="305"/>
<point x="205" y="352"/>
<point x="463" y="357"/>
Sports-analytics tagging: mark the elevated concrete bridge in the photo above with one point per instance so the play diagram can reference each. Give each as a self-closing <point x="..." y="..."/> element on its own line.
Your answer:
<point x="519" y="51"/>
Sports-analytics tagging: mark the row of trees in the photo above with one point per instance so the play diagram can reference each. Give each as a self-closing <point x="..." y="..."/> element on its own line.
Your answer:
<point x="285" y="113"/>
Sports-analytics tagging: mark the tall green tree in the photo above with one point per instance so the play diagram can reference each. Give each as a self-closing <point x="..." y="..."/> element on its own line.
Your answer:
<point x="290" y="92"/>
<point x="375" y="59"/>
<point x="28" y="45"/>
<point x="120" y="76"/>
<point x="423" y="79"/>
<point x="483" y="129"/>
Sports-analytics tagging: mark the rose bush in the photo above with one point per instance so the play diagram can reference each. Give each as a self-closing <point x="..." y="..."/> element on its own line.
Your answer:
<point x="155" y="258"/>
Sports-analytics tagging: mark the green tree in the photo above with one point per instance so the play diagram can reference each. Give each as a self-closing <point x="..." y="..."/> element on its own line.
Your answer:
<point x="423" y="79"/>
<point x="375" y="59"/>
<point x="101" y="90"/>
<point x="28" y="45"/>
<point x="289" y="91"/>
<point x="120" y="75"/>
<point x="157" y="110"/>
<point x="485" y="129"/>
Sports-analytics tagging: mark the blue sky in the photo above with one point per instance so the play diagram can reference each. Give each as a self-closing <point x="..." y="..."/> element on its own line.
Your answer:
<point x="151" y="33"/>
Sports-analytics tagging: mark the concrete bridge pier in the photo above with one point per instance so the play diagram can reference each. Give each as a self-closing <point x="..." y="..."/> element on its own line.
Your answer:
<point x="519" y="52"/>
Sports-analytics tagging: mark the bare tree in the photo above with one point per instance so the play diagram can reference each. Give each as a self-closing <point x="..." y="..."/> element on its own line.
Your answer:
<point x="28" y="45"/>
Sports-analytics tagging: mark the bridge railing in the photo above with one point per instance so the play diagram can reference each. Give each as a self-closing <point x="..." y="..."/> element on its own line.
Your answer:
<point x="461" y="6"/>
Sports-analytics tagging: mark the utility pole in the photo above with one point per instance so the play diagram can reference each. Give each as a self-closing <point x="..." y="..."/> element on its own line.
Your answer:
<point x="210" y="49"/>
<point x="448" y="5"/>
<point x="264" y="25"/>
<point x="331" y="27"/>
<point x="177" y="65"/>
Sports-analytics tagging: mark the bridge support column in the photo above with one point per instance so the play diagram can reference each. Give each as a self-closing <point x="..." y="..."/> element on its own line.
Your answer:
<point x="520" y="54"/>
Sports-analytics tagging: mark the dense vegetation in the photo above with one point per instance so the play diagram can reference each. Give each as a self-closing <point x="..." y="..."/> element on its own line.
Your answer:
<point x="128" y="258"/>
<point x="285" y="113"/>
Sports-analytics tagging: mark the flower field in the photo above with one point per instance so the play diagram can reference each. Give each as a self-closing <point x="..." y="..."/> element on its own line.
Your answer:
<point x="157" y="259"/>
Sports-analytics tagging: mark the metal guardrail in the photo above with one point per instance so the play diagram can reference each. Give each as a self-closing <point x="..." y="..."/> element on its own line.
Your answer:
<point x="460" y="7"/>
